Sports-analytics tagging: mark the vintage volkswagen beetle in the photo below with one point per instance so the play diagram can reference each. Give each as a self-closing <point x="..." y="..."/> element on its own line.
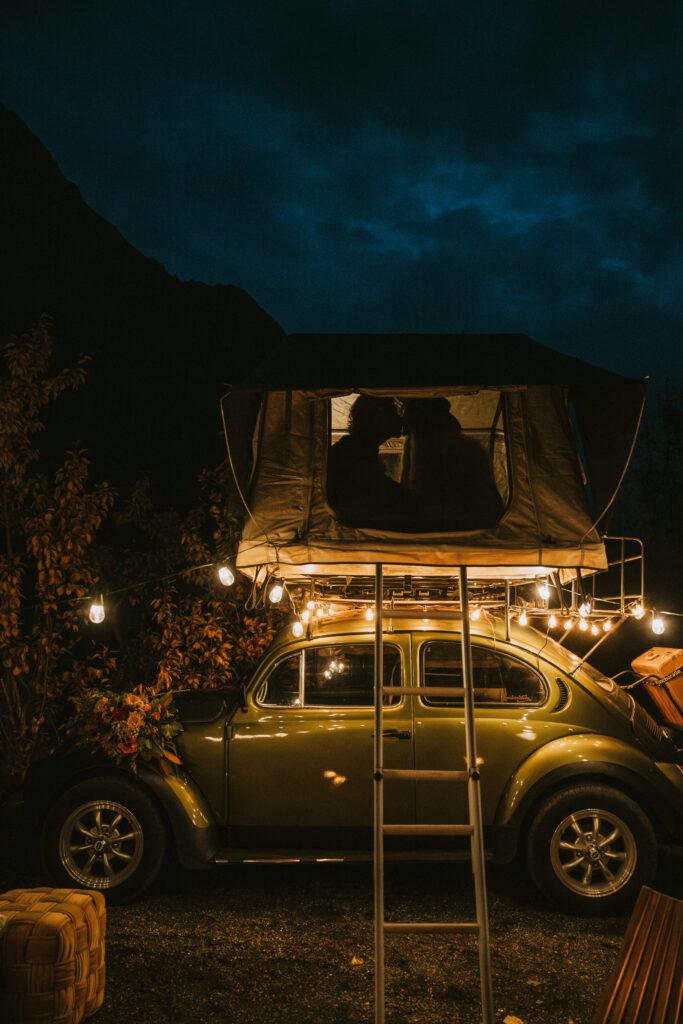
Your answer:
<point x="576" y="776"/>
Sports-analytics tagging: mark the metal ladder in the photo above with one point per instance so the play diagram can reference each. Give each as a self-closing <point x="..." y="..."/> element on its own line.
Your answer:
<point x="473" y="829"/>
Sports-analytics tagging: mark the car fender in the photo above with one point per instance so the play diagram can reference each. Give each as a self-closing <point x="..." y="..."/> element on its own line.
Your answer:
<point x="186" y="810"/>
<point x="189" y="815"/>
<point x="572" y="759"/>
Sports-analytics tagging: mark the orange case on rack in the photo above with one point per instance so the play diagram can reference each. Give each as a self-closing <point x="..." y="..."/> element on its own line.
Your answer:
<point x="658" y="661"/>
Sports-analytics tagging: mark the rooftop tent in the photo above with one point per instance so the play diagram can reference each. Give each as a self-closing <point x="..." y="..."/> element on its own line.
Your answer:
<point x="551" y="433"/>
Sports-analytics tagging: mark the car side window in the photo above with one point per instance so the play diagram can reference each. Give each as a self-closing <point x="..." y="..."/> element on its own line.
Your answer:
<point x="337" y="675"/>
<point x="282" y="687"/>
<point x="341" y="675"/>
<point x="498" y="678"/>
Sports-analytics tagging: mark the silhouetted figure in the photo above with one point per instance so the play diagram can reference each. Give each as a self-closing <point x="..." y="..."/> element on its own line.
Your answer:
<point x="448" y="473"/>
<point x="358" y="488"/>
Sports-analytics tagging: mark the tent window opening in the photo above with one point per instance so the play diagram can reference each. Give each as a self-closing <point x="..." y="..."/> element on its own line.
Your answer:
<point x="418" y="465"/>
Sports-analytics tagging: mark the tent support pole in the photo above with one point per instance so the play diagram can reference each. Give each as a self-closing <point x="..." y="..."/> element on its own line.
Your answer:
<point x="378" y="790"/>
<point x="474" y="801"/>
<point x="622" y="568"/>
<point x="507" y="610"/>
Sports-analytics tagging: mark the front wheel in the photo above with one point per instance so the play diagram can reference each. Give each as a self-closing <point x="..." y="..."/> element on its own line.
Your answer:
<point x="590" y="849"/>
<point x="104" y="833"/>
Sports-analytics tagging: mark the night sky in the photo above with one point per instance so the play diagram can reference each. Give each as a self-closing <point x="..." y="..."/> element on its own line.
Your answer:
<point x="383" y="166"/>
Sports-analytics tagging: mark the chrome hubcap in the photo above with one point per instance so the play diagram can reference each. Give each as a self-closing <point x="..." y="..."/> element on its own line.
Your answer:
<point x="101" y="844"/>
<point x="593" y="852"/>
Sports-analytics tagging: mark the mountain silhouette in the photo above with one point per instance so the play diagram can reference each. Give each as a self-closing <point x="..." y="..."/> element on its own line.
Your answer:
<point x="162" y="350"/>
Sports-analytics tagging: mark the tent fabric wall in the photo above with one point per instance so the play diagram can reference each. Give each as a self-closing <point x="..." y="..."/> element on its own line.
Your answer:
<point x="292" y="528"/>
<point x="277" y="428"/>
<point x="607" y="405"/>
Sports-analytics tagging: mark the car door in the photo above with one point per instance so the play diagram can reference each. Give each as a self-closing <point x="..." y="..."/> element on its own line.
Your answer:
<point x="300" y="756"/>
<point x="510" y="718"/>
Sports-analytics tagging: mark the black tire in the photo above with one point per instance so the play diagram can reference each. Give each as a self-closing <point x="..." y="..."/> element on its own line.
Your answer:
<point x="104" y="833"/>
<point x="571" y="860"/>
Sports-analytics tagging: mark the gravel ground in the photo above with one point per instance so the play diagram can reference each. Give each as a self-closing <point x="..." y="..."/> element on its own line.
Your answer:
<point x="293" y="944"/>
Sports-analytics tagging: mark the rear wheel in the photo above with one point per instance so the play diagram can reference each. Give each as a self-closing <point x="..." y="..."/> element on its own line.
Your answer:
<point x="104" y="833"/>
<point x="590" y="849"/>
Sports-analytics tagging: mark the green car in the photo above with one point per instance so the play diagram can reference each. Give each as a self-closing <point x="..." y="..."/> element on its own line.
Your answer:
<point x="576" y="776"/>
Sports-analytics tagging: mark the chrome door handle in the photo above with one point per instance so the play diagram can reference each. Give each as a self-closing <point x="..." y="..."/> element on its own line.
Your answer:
<point x="395" y="734"/>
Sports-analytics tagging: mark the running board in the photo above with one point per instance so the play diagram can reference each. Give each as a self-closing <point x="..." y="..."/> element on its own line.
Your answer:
<point x="240" y="856"/>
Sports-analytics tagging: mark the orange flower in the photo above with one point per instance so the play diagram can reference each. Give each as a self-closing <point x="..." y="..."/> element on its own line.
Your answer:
<point x="135" y="721"/>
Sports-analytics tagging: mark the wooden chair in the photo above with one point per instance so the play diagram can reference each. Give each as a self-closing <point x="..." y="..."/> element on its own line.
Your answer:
<point x="646" y="983"/>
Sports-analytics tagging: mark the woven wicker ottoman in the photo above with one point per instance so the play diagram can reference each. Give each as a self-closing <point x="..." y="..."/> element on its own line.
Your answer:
<point x="51" y="955"/>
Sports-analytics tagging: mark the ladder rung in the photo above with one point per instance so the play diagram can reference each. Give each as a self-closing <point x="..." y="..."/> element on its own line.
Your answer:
<point x="427" y="830"/>
<point x="456" y="692"/>
<point x="429" y="926"/>
<point x="432" y="774"/>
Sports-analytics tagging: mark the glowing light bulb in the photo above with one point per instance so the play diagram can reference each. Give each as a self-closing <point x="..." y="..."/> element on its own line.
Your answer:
<point x="658" y="624"/>
<point x="585" y="609"/>
<point x="637" y="611"/>
<point x="607" y="625"/>
<point x="523" y="619"/>
<point x="543" y="591"/>
<point x="594" y="630"/>
<point x="310" y="605"/>
<point x="226" y="576"/>
<point x="583" y="625"/>
<point x="96" y="612"/>
<point x="305" y="616"/>
<point x="276" y="592"/>
<point x="298" y="628"/>
<point x="476" y="614"/>
<point x="369" y="614"/>
<point x="552" y="622"/>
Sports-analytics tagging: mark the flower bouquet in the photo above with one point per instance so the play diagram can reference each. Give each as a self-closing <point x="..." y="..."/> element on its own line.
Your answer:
<point x="129" y="727"/>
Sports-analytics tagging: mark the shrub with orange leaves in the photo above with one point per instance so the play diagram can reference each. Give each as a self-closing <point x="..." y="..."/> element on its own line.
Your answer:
<point x="191" y="631"/>
<point x="175" y="625"/>
<point x="46" y="562"/>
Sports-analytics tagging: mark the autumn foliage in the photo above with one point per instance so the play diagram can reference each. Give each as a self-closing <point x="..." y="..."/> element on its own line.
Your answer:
<point x="64" y="539"/>
<point x="191" y="631"/>
<point x="49" y="521"/>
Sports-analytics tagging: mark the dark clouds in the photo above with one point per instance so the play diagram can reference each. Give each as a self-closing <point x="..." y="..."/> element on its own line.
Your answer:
<point x="383" y="166"/>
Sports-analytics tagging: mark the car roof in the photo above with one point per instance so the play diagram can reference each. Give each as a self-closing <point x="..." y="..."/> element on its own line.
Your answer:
<point x="489" y="627"/>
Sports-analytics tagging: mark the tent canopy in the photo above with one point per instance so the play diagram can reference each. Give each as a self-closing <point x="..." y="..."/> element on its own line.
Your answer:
<point x="569" y="428"/>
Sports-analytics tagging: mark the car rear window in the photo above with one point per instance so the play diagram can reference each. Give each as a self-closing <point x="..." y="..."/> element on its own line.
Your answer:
<point x="499" y="679"/>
